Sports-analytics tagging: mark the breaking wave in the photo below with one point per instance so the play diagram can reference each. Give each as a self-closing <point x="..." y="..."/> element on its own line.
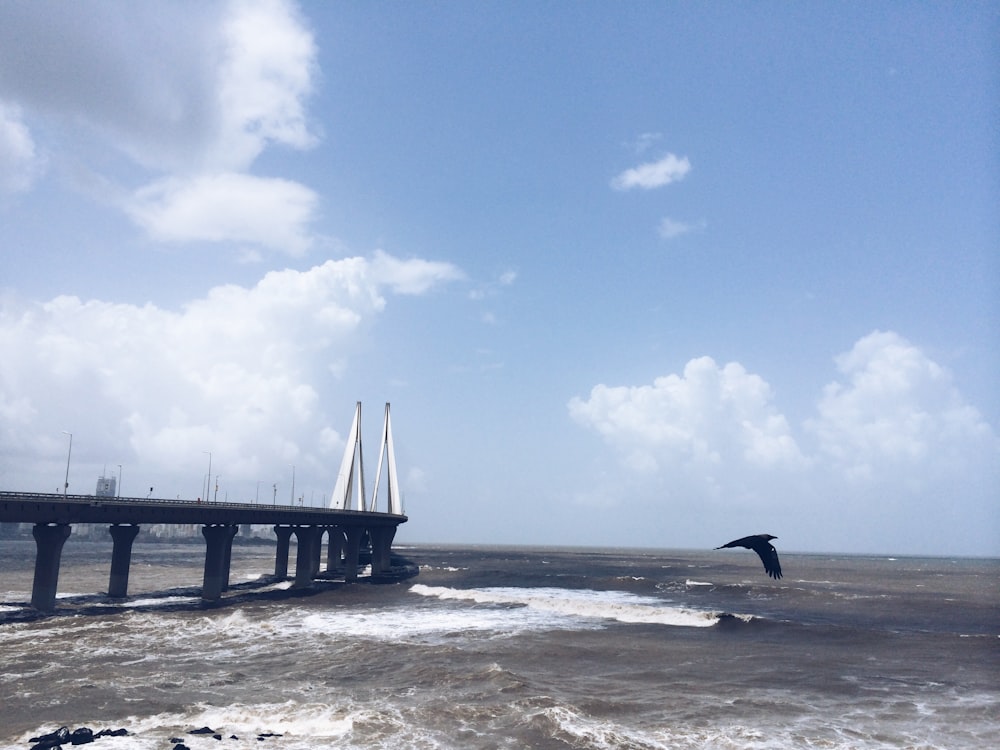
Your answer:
<point x="578" y="604"/>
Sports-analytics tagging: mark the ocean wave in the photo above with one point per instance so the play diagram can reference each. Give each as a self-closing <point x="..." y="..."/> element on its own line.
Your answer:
<point x="578" y="604"/>
<point x="590" y="733"/>
<point x="388" y="721"/>
<point x="159" y="601"/>
<point x="429" y="624"/>
<point x="289" y="725"/>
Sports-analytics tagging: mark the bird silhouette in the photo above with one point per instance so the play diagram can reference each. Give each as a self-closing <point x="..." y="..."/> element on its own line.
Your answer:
<point x="761" y="544"/>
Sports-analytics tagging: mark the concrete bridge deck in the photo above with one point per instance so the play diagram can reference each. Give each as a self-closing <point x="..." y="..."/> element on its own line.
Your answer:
<point x="27" y="507"/>
<point x="54" y="514"/>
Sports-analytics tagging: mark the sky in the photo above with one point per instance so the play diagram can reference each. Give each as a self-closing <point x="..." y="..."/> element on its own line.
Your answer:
<point x="646" y="274"/>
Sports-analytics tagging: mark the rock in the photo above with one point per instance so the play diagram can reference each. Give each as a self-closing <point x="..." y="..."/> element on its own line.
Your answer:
<point x="53" y="739"/>
<point x="180" y="746"/>
<point x="82" y="736"/>
<point x="112" y="733"/>
<point x="203" y="730"/>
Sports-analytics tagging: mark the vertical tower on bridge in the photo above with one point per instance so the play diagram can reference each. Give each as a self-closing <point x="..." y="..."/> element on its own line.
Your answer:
<point x="387" y="456"/>
<point x="349" y="491"/>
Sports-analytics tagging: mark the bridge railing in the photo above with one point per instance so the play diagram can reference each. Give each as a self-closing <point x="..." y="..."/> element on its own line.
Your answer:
<point x="96" y="500"/>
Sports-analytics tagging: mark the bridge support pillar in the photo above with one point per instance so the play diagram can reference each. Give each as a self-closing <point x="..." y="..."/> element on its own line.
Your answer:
<point x="283" y="533"/>
<point x="352" y="552"/>
<point x="121" y="559"/>
<point x="317" y="551"/>
<point x="334" y="549"/>
<point x="306" y="557"/>
<point x="382" y="548"/>
<point x="217" y="540"/>
<point x="49" y="541"/>
<point x="228" y="552"/>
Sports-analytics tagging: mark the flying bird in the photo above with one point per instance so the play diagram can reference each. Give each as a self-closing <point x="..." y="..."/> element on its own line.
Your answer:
<point x="761" y="544"/>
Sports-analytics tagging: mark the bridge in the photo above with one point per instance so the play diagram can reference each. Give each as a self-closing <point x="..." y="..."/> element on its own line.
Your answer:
<point x="350" y="523"/>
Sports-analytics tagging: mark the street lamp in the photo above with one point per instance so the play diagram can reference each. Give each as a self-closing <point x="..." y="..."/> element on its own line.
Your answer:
<point x="208" y="482"/>
<point x="119" y="494"/>
<point x="292" y="498"/>
<point x="68" y="455"/>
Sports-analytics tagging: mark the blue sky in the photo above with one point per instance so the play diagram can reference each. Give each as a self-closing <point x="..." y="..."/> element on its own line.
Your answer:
<point x="647" y="274"/>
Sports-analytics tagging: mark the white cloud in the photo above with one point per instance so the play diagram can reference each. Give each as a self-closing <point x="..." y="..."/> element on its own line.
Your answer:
<point x="671" y="228"/>
<point x="412" y="276"/>
<point x="239" y="372"/>
<point x="894" y="455"/>
<point x="236" y="207"/>
<point x="191" y="92"/>
<point x="670" y="168"/>
<point x="898" y="418"/>
<point x="898" y="414"/>
<point x="715" y="421"/>
<point x="180" y="87"/>
<point x="20" y="163"/>
<point x="264" y="79"/>
<point x="645" y="141"/>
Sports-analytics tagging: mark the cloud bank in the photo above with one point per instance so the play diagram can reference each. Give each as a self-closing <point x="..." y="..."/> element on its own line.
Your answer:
<point x="190" y="93"/>
<point x="891" y="437"/>
<point x="235" y="372"/>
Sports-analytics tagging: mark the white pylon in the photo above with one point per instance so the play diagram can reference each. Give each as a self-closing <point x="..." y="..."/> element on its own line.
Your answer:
<point x="352" y="471"/>
<point x="395" y="504"/>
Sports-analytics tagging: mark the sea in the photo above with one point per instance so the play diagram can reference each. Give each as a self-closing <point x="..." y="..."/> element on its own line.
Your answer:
<point x="508" y="647"/>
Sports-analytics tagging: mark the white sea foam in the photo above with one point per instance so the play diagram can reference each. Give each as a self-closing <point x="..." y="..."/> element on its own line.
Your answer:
<point x="430" y="624"/>
<point x="346" y="722"/>
<point x="317" y="722"/>
<point x="301" y="726"/>
<point x="581" y="731"/>
<point x="578" y="604"/>
<point x="160" y="601"/>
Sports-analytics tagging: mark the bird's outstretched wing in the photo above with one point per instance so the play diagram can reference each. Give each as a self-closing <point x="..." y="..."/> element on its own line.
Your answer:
<point x="769" y="556"/>
<point x="745" y="541"/>
<point x="760" y="543"/>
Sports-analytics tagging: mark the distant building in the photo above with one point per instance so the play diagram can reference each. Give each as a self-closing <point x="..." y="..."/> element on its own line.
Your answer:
<point x="106" y="486"/>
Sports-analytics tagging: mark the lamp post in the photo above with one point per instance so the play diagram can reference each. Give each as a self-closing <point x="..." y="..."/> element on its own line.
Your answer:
<point x="119" y="493"/>
<point x="69" y="454"/>
<point x="208" y="482"/>
<point x="292" y="498"/>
